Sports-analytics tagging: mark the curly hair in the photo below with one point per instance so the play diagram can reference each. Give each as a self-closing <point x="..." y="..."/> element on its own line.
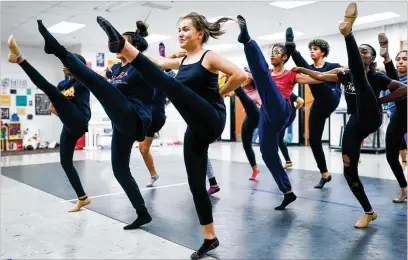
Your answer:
<point x="322" y="44"/>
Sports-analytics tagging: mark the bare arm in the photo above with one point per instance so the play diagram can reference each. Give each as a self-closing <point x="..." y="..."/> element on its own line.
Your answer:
<point x="52" y="109"/>
<point x="399" y="91"/>
<point x="305" y="79"/>
<point x="236" y="75"/>
<point x="299" y="103"/>
<point x="332" y="77"/>
<point x="165" y="63"/>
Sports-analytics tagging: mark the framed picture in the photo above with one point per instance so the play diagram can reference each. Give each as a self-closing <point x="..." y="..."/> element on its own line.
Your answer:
<point x="5" y="113"/>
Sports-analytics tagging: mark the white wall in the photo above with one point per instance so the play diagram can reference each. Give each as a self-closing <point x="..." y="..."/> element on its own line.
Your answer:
<point x="51" y="68"/>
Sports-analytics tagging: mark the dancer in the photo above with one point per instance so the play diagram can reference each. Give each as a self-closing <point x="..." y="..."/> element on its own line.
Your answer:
<point x="282" y="144"/>
<point x="275" y="110"/>
<point x="362" y="89"/>
<point x="397" y="127"/>
<point x="326" y="97"/>
<point x="70" y="102"/>
<point x="127" y="102"/>
<point x="195" y="94"/>
<point x="249" y="97"/>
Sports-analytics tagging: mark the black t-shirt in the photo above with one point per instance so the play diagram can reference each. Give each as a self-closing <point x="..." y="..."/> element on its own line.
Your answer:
<point x="319" y="94"/>
<point x="377" y="80"/>
<point x="77" y="94"/>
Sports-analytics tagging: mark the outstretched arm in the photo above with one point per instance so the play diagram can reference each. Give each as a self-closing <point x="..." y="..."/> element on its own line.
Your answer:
<point x="330" y="76"/>
<point x="398" y="91"/>
<point x="305" y="79"/>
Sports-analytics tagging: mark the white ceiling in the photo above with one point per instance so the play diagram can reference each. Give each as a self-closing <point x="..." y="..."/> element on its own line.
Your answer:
<point x="318" y="19"/>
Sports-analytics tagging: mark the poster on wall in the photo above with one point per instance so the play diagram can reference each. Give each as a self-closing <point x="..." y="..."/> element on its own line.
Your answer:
<point x="41" y="105"/>
<point x="13" y="91"/>
<point x="5" y="83"/>
<point x="21" y="111"/>
<point x="29" y="91"/>
<point x="21" y="83"/>
<point x="30" y="103"/>
<point x="21" y="101"/>
<point x="3" y="91"/>
<point x="5" y="114"/>
<point x="100" y="59"/>
<point x="5" y="100"/>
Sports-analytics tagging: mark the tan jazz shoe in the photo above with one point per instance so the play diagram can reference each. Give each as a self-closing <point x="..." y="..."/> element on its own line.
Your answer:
<point x="401" y="198"/>
<point x="383" y="41"/>
<point x="350" y="16"/>
<point x="365" y="220"/>
<point x="80" y="203"/>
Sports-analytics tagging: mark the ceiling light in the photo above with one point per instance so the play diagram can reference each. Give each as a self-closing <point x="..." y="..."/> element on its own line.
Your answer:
<point x="119" y="6"/>
<point x="214" y="19"/>
<point x="290" y="4"/>
<point x="375" y="18"/>
<point x="65" y="27"/>
<point x="219" y="47"/>
<point x="105" y="6"/>
<point x="156" y="38"/>
<point x="277" y="36"/>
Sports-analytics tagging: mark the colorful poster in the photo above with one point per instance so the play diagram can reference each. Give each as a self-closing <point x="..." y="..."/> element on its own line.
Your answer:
<point x="111" y="62"/>
<point x="5" y="100"/>
<point x="21" y="111"/>
<point x="21" y="101"/>
<point x="3" y="91"/>
<point x="5" y="114"/>
<point x="29" y="91"/>
<point x="100" y="59"/>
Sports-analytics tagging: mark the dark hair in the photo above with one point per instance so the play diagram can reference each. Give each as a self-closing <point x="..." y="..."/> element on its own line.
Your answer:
<point x="373" y="64"/>
<point x="400" y="53"/>
<point x="322" y="44"/>
<point x="138" y="37"/>
<point x="80" y="57"/>
<point x="210" y="29"/>
<point x="282" y="48"/>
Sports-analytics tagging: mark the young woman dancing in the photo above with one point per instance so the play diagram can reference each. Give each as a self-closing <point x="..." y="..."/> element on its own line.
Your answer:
<point x="326" y="97"/>
<point x="397" y="128"/>
<point x="70" y="102"/>
<point x="276" y="109"/>
<point x="126" y="100"/>
<point x="363" y="85"/>
<point x="195" y="94"/>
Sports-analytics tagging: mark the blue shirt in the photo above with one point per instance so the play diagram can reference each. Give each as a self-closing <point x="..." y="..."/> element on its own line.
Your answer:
<point x="77" y="94"/>
<point x="391" y="105"/>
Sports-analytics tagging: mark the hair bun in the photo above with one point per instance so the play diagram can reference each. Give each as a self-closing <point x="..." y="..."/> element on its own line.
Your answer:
<point x="141" y="29"/>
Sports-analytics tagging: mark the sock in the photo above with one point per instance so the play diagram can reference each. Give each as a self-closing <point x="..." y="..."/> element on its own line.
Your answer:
<point x="243" y="37"/>
<point x="289" y="44"/>
<point x="84" y="198"/>
<point x="116" y="40"/>
<point x="51" y="46"/>
<point x="212" y="181"/>
<point x="289" y="198"/>
<point x="208" y="245"/>
<point x="140" y="221"/>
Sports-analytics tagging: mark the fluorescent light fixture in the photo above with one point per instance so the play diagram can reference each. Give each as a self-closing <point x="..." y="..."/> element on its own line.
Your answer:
<point x="105" y="5"/>
<point x="375" y="18"/>
<point x="156" y="38"/>
<point x="119" y="6"/>
<point x="291" y="4"/>
<point x="214" y="19"/>
<point x="65" y="27"/>
<point x="277" y="36"/>
<point x="219" y="47"/>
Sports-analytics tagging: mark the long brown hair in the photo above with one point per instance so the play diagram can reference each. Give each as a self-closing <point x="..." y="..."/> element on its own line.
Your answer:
<point x="201" y="23"/>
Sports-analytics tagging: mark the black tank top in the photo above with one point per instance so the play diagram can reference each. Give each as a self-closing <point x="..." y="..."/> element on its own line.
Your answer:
<point x="202" y="82"/>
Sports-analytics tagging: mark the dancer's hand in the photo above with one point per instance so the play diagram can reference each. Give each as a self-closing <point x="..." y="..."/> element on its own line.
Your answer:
<point x="179" y="54"/>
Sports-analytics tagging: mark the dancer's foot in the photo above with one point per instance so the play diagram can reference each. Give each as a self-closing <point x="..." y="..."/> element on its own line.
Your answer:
<point x="383" y="41"/>
<point x="401" y="198"/>
<point x="243" y="37"/>
<point x="153" y="179"/>
<point x="289" y="198"/>
<point x="15" y="53"/>
<point x="213" y="190"/>
<point x="254" y="174"/>
<point x="80" y="203"/>
<point x="365" y="220"/>
<point x="51" y="46"/>
<point x="116" y="41"/>
<point x="350" y="16"/>
<point x="322" y="182"/>
<point x="208" y="245"/>
<point x="289" y="44"/>
<point x="287" y="165"/>
<point x="140" y="221"/>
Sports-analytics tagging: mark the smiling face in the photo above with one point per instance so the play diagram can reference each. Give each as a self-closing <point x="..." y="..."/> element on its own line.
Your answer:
<point x="401" y="62"/>
<point x="189" y="37"/>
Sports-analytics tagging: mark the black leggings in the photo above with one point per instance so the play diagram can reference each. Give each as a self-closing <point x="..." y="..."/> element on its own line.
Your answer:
<point x="367" y="120"/>
<point x="73" y="119"/>
<point x="282" y="144"/>
<point x="127" y="125"/>
<point x="205" y="124"/>
<point x="326" y="100"/>
<point x="249" y="125"/>
<point x="396" y="130"/>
